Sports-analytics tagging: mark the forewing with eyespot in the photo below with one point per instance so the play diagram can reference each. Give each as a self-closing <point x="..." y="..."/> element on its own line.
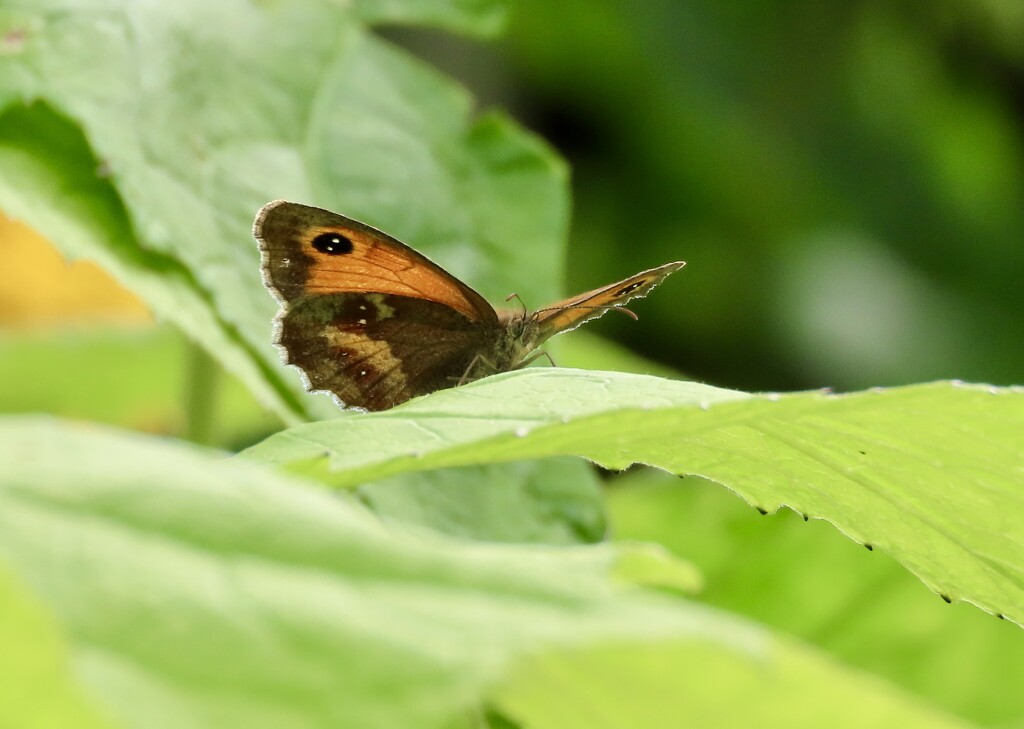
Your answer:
<point x="375" y="350"/>
<point x="297" y="264"/>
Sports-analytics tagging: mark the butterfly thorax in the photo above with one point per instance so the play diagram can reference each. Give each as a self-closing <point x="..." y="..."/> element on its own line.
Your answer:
<point x="516" y="339"/>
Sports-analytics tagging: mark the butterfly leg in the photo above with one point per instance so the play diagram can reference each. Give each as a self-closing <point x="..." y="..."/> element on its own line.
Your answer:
<point x="477" y="359"/>
<point x="533" y="358"/>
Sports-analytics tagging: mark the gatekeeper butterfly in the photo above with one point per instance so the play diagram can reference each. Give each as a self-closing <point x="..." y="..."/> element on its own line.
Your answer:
<point x="374" y="322"/>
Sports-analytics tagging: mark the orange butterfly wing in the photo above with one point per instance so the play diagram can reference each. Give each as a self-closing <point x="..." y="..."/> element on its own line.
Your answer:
<point x="569" y="314"/>
<point x="296" y="264"/>
<point x="364" y="316"/>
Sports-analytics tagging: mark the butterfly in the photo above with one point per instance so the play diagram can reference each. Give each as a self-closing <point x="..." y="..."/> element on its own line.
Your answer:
<point x="376" y="323"/>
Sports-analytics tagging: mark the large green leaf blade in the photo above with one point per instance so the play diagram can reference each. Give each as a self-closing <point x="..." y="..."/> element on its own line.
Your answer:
<point x="862" y="607"/>
<point x="932" y="474"/>
<point x="52" y="181"/>
<point x="556" y="501"/>
<point x="201" y="591"/>
<point x="693" y="685"/>
<point x="195" y="114"/>
<point x="37" y="690"/>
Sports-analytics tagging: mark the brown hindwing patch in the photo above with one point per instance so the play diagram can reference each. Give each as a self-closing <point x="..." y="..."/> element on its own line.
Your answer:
<point x="377" y="350"/>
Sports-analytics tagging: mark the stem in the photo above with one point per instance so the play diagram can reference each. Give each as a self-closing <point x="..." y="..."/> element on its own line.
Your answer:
<point x="202" y="377"/>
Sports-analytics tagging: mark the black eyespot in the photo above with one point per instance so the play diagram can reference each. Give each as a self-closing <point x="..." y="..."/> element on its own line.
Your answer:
<point x="628" y="289"/>
<point x="334" y="244"/>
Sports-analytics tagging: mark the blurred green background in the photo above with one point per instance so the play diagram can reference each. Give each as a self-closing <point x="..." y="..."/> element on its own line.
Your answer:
<point x="845" y="179"/>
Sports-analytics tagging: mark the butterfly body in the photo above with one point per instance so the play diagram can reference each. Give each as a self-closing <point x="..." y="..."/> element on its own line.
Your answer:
<point x="376" y="323"/>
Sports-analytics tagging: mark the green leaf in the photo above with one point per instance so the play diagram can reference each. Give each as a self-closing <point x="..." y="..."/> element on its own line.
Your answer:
<point x="931" y="474"/>
<point x="36" y="687"/>
<point x="53" y="182"/>
<point x="475" y="17"/>
<point x="427" y="432"/>
<point x="556" y="501"/>
<point x="200" y="591"/>
<point x="649" y="564"/>
<point x="671" y="686"/>
<point x="860" y="606"/>
<point x="162" y="129"/>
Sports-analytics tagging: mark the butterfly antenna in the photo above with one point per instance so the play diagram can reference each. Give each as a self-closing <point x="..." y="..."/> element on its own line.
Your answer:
<point x="518" y="298"/>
